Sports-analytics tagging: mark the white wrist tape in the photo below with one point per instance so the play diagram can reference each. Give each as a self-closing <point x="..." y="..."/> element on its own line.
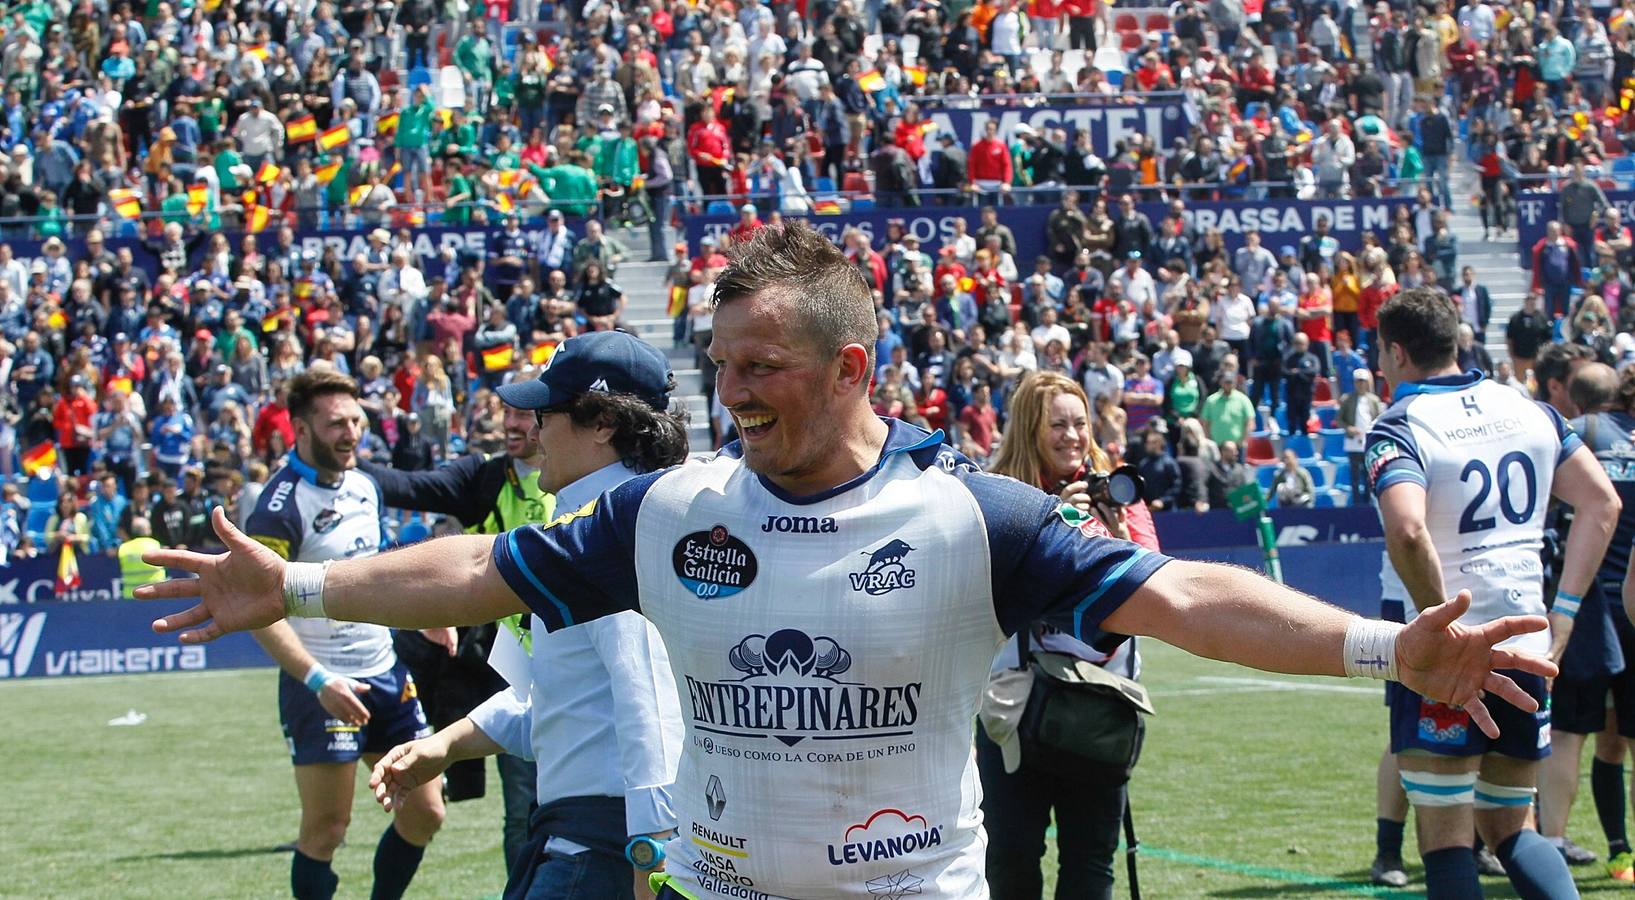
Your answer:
<point x="304" y="590"/>
<point x="1371" y="649"/>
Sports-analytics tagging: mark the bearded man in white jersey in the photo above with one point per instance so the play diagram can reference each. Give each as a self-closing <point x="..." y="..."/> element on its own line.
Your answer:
<point x="832" y="590"/>
<point x="342" y="695"/>
<point x="1463" y="469"/>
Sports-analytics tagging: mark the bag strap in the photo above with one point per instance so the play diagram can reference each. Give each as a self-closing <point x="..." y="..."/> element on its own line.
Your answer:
<point x="1131" y="848"/>
<point x="1024" y="652"/>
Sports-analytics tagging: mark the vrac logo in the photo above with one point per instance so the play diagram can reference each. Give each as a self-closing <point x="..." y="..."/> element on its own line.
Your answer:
<point x="800" y="525"/>
<point x="886" y="834"/>
<point x="885" y="572"/>
<point x="19" y="636"/>
<point x="789" y="688"/>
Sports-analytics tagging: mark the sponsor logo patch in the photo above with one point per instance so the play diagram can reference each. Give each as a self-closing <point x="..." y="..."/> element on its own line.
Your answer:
<point x="885" y="834"/>
<point x="713" y="564"/>
<point x="886" y="571"/>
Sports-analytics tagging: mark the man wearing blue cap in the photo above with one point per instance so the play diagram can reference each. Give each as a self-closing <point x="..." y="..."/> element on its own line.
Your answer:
<point x="832" y="590"/>
<point x="595" y="707"/>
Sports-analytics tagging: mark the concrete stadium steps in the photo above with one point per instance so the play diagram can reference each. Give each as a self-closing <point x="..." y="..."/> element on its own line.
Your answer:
<point x="647" y="300"/>
<point x="1497" y="265"/>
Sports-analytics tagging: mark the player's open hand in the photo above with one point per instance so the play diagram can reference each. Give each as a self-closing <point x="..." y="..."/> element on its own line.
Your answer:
<point x="1457" y="664"/>
<point x="406" y="767"/>
<point x="339" y="698"/>
<point x="239" y="590"/>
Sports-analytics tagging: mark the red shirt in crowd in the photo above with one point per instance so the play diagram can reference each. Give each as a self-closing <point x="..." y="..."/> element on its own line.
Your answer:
<point x="1079" y="9"/>
<point x="273" y="417"/>
<point x="707" y="143"/>
<point x="990" y="160"/>
<point x="911" y="137"/>
<point x="72" y="419"/>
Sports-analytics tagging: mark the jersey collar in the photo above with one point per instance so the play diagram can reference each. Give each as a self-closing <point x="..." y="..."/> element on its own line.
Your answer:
<point x="901" y="437"/>
<point x="593" y="485"/>
<point x="1441" y="384"/>
<point x="308" y="474"/>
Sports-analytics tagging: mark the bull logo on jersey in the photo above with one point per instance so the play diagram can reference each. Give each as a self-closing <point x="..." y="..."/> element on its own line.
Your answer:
<point x="713" y="564"/>
<point x="885" y="572"/>
<point x="789" y="688"/>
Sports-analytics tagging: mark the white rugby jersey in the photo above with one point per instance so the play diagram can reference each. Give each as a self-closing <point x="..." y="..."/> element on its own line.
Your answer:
<point x="305" y="521"/>
<point x="829" y="653"/>
<point x="1486" y="456"/>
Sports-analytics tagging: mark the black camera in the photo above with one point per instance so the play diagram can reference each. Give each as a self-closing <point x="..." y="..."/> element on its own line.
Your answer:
<point x="1121" y="487"/>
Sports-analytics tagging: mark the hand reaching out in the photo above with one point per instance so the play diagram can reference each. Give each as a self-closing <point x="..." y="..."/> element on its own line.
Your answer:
<point x="240" y="590"/>
<point x="1457" y="664"/>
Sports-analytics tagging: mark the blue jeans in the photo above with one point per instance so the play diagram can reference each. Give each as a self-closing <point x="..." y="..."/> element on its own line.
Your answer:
<point x="1436" y="171"/>
<point x="591" y="875"/>
<point x="517" y="786"/>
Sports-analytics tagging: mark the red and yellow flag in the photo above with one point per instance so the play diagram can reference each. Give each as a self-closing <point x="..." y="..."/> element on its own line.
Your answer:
<point x="41" y="456"/>
<point x="301" y="130"/>
<point x="327" y="172"/>
<point x="871" y="81"/>
<point x="496" y="359"/>
<point x="259" y="52"/>
<point x="915" y="74"/>
<point x="198" y="197"/>
<point x="504" y="202"/>
<point x="387" y="124"/>
<point x="678" y="301"/>
<point x="256" y="219"/>
<point x="358" y="194"/>
<point x="827" y="207"/>
<point x="67" y="569"/>
<point x="335" y="137"/>
<point x="119" y="383"/>
<point x="268" y="173"/>
<point x="541" y="352"/>
<point x="126" y="203"/>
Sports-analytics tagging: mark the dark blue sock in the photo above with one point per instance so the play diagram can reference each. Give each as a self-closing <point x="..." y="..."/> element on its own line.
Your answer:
<point x="312" y="879"/>
<point x="395" y="863"/>
<point x="1388" y="838"/>
<point x="1607" y="785"/>
<point x="1450" y="874"/>
<point x="1537" y="870"/>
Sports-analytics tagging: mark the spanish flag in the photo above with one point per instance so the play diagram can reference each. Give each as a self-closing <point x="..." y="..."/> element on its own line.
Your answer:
<point x="301" y="130"/>
<point x="541" y="352"/>
<point x="327" y="172"/>
<point x="394" y="171"/>
<point x="198" y="197"/>
<point x="446" y="116"/>
<point x="387" y="124"/>
<point x="275" y="320"/>
<point x="120" y="383"/>
<point x="259" y="52"/>
<point x="268" y="173"/>
<point x="41" y="456"/>
<point x="678" y="301"/>
<point x="496" y="359"/>
<point x="256" y="219"/>
<point x="58" y="320"/>
<point x="509" y="178"/>
<point x="334" y="137"/>
<point x="827" y="207"/>
<point x="67" y="569"/>
<point x="503" y="201"/>
<point x="125" y="203"/>
<point x="915" y="74"/>
<point x="358" y="194"/>
<point x="871" y="81"/>
<point x="304" y="288"/>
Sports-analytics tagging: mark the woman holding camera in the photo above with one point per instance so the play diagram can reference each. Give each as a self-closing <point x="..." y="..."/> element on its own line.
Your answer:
<point x="1047" y="442"/>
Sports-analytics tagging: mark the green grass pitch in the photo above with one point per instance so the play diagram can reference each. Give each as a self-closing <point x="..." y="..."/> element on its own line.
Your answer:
<point x="1251" y="786"/>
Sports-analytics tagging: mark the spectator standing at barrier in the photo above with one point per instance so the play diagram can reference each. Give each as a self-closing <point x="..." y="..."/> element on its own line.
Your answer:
<point x="1301" y="370"/>
<point x="1269" y="341"/>
<point x="1359" y="408"/>
<point x="1557" y="269"/>
<point x="1581" y="203"/>
<point x="1228" y="413"/>
<point x="1475" y="304"/>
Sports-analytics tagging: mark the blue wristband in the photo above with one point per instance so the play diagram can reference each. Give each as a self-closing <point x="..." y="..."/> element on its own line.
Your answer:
<point x="1567" y="604"/>
<point x="317" y="677"/>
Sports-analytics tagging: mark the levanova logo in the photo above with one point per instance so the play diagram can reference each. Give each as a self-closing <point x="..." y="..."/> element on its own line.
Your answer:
<point x="885" y="572"/>
<point x="887" y="834"/>
<point x="714" y="564"/>
<point x="790" y="689"/>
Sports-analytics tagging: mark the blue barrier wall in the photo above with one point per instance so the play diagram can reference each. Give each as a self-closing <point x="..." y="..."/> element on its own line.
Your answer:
<point x="56" y="639"/>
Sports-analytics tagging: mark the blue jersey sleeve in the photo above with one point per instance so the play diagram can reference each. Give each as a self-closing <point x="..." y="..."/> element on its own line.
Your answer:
<point x="1049" y="567"/>
<point x="276" y="522"/>
<point x="1392" y="455"/>
<point x="1570" y="441"/>
<point x="580" y="566"/>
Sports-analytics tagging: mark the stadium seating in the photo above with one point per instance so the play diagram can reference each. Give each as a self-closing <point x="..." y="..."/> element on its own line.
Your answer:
<point x="1265" y="473"/>
<point x="1333" y="443"/>
<point x="1302" y="446"/>
<point x="1321" y="392"/>
<point x="719" y="208"/>
<point x="1126" y="22"/>
<point x="1258" y="449"/>
<point x="1326" y="415"/>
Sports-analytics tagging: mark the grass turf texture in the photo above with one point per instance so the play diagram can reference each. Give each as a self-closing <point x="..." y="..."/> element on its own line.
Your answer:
<point x="1249" y="787"/>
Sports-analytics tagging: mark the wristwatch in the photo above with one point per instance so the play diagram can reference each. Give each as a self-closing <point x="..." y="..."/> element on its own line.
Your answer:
<point x="644" y="853"/>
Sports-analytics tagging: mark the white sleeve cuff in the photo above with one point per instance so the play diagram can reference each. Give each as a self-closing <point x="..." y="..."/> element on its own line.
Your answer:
<point x="647" y="810"/>
<point x="507" y="719"/>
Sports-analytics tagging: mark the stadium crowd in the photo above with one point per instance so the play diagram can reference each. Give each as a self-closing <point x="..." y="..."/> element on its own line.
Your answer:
<point x="276" y="117"/>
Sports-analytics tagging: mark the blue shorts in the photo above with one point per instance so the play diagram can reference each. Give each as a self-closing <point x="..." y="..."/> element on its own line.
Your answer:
<point x="1420" y="724"/>
<point x="314" y="737"/>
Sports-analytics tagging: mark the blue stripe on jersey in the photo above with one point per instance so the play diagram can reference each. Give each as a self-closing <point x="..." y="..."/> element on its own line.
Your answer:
<point x="1394" y="476"/>
<point x="1108" y="582"/>
<point x="1496" y="800"/>
<point x="1441" y="384"/>
<point x="522" y="566"/>
<point x="901" y="437"/>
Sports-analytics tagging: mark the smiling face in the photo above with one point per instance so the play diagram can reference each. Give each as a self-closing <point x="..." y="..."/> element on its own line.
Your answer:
<point x="784" y="393"/>
<point x="328" y="436"/>
<point x="1065" y="440"/>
